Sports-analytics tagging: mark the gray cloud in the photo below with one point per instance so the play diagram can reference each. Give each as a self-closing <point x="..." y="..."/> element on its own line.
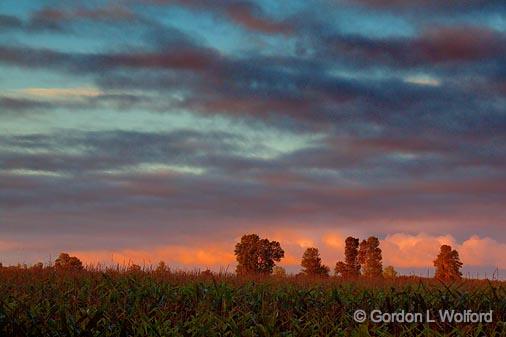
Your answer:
<point x="409" y="131"/>
<point x="322" y="184"/>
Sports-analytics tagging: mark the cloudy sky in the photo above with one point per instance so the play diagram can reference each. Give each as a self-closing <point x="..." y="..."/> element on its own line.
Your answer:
<point x="135" y="131"/>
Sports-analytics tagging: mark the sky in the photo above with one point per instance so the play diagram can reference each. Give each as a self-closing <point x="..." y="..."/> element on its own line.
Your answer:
<point x="140" y="131"/>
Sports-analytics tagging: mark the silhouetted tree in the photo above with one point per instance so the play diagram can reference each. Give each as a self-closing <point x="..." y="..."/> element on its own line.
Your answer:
<point x="67" y="262"/>
<point x="351" y="267"/>
<point x="389" y="272"/>
<point x="38" y="266"/>
<point x="162" y="268"/>
<point x="257" y="256"/>
<point x="369" y="257"/>
<point x="312" y="263"/>
<point x="448" y="264"/>
<point x="341" y="269"/>
<point x="351" y="257"/>
<point x="279" y="271"/>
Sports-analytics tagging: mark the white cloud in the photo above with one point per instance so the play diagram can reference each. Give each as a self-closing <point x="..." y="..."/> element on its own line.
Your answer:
<point x="423" y="80"/>
<point x="60" y="93"/>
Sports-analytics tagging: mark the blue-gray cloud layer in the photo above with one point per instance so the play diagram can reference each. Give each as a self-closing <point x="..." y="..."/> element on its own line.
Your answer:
<point x="390" y="125"/>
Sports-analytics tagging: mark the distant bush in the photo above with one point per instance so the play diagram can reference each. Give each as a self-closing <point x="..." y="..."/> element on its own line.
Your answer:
<point x="67" y="262"/>
<point x="389" y="272"/>
<point x="279" y="271"/>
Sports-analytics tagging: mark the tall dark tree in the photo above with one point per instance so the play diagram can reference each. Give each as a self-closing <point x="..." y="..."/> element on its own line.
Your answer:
<point x="448" y="264"/>
<point x="351" y="256"/>
<point x="369" y="257"/>
<point x="351" y="267"/>
<point x="67" y="262"/>
<point x="257" y="256"/>
<point x="312" y="263"/>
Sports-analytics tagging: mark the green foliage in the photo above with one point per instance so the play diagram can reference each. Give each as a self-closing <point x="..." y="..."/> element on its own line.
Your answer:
<point x="48" y="302"/>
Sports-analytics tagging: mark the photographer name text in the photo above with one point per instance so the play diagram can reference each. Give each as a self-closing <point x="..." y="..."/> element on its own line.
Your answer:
<point x="448" y="316"/>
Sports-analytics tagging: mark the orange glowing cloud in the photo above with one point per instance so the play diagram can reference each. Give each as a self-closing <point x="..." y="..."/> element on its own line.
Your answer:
<point x="290" y="260"/>
<point x="299" y="238"/>
<point x="404" y="250"/>
<point x="399" y="249"/>
<point x="8" y="245"/>
<point x="188" y="256"/>
<point x="295" y="242"/>
<point x="483" y="251"/>
<point x="334" y="240"/>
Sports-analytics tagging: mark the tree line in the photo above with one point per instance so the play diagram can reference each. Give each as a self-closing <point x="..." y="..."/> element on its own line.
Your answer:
<point x="361" y="259"/>
<point x="256" y="256"/>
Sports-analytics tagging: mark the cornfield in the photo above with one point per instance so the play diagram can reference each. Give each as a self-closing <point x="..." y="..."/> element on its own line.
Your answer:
<point x="146" y="303"/>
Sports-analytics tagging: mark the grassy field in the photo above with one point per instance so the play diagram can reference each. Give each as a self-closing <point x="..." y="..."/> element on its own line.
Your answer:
<point x="114" y="303"/>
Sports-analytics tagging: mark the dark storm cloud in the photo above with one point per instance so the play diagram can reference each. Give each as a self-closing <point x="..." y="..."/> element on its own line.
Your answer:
<point x="112" y="150"/>
<point x="83" y="153"/>
<point x="9" y="22"/>
<point x="203" y="202"/>
<point x="179" y="57"/>
<point x="370" y="124"/>
<point x="247" y="14"/>
<point x="12" y="23"/>
<point x="67" y="19"/>
<point x="304" y="89"/>
<point x="431" y="6"/>
<point x="21" y="107"/>
<point x="63" y="19"/>
<point x="49" y="15"/>
<point x="436" y="45"/>
<point x="15" y="105"/>
<point x="79" y="20"/>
